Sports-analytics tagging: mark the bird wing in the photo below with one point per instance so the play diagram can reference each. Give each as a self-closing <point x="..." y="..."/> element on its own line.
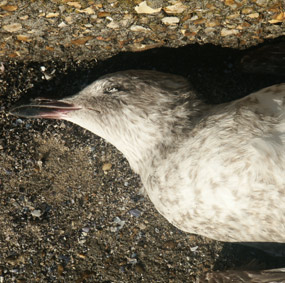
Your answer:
<point x="259" y="276"/>
<point x="270" y="100"/>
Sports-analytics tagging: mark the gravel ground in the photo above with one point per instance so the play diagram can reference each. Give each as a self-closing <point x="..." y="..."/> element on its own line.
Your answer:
<point x="71" y="208"/>
<point x="80" y="30"/>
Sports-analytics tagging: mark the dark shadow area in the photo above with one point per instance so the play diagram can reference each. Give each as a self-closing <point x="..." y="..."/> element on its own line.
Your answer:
<point x="218" y="74"/>
<point x="243" y="257"/>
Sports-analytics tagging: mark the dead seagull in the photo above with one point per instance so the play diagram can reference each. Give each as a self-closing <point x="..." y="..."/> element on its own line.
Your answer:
<point x="213" y="170"/>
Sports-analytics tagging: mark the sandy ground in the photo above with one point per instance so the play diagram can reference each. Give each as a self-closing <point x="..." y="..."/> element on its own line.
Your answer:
<point x="70" y="206"/>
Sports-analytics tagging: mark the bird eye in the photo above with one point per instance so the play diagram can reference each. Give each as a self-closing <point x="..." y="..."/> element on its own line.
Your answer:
<point x="112" y="89"/>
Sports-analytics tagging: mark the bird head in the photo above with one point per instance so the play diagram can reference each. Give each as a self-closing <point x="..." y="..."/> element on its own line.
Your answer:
<point x="134" y="110"/>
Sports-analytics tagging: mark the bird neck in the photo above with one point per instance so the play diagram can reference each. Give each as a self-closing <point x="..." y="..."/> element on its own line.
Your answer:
<point x="145" y="135"/>
<point x="142" y="139"/>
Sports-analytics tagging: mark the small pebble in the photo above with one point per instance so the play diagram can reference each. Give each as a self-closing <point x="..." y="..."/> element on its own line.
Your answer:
<point x="86" y="229"/>
<point x="36" y="213"/>
<point x="12" y="27"/>
<point x="143" y="8"/>
<point x="135" y="212"/>
<point x="120" y="222"/>
<point x="170" y="20"/>
<point x="106" y="166"/>
<point x="132" y="260"/>
<point x="177" y="8"/>
<point x="2" y="68"/>
<point x="194" y="249"/>
<point x="62" y="25"/>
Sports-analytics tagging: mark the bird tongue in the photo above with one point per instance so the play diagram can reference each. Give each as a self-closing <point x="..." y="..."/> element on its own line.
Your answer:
<point x="44" y="108"/>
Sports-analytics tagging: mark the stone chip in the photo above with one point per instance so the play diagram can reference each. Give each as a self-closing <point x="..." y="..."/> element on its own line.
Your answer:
<point x="143" y="8"/>
<point x="170" y="20"/>
<point x="12" y="27"/>
<point x="177" y="8"/>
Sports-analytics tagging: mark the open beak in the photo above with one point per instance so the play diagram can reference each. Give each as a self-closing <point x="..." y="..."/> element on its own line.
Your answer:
<point x="44" y="108"/>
